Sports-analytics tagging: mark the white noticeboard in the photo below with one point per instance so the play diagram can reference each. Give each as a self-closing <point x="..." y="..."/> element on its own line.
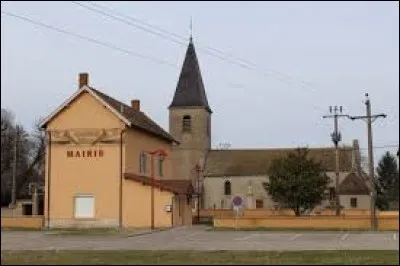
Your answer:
<point x="84" y="207"/>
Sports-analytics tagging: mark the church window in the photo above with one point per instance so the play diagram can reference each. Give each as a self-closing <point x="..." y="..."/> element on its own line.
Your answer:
<point x="332" y="193"/>
<point x="353" y="202"/>
<point x="259" y="204"/>
<point x="187" y="124"/>
<point x="227" y="188"/>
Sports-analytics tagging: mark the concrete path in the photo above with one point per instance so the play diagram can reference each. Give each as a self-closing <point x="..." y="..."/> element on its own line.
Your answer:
<point x="200" y="238"/>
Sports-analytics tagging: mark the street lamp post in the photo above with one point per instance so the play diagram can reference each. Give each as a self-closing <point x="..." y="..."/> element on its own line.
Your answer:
<point x="198" y="170"/>
<point x="161" y="153"/>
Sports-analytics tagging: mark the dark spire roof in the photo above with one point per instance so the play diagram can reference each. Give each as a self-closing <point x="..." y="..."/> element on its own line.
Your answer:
<point x="190" y="89"/>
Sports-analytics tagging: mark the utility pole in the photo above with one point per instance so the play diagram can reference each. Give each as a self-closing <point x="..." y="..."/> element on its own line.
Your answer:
<point x="14" y="174"/>
<point x="336" y="138"/>
<point x="370" y="119"/>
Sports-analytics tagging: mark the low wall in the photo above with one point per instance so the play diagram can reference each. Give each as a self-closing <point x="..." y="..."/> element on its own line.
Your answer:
<point x="212" y="213"/>
<point x="32" y="222"/>
<point x="308" y="222"/>
<point x="390" y="223"/>
<point x="287" y="212"/>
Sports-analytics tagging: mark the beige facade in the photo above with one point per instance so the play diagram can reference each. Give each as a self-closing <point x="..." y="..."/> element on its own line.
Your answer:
<point x="248" y="188"/>
<point x="253" y="194"/>
<point x="193" y="143"/>
<point x="94" y="141"/>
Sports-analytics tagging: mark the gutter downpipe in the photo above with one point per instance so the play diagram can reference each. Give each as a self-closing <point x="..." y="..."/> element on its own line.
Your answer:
<point x="48" y="179"/>
<point x="120" y="181"/>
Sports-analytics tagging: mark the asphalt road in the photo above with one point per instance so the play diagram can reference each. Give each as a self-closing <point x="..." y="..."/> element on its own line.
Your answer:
<point x="200" y="238"/>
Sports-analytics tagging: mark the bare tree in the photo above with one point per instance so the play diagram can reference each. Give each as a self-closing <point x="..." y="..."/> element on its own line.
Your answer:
<point x="30" y="157"/>
<point x="37" y="146"/>
<point x="6" y="120"/>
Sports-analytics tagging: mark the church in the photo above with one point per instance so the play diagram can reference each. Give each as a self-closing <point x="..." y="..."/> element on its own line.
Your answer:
<point x="220" y="175"/>
<point x="108" y="164"/>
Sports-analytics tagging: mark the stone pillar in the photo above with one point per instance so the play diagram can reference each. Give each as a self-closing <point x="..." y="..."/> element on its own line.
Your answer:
<point x="35" y="202"/>
<point x="250" y="202"/>
<point x="250" y="196"/>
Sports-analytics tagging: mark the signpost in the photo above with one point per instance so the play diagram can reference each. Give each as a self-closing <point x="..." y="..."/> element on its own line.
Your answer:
<point x="237" y="204"/>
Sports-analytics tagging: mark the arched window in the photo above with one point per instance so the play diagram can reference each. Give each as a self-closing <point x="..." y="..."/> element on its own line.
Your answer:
<point x="227" y="188"/>
<point x="142" y="163"/>
<point x="187" y="123"/>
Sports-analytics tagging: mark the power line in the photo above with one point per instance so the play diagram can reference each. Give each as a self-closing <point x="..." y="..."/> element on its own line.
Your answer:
<point x="237" y="61"/>
<point x="158" y="29"/>
<point x="154" y="32"/>
<point x="125" y="21"/>
<point x="108" y="45"/>
<point x="183" y="42"/>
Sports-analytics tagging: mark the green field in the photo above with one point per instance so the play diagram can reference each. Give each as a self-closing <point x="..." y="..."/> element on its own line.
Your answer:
<point x="198" y="257"/>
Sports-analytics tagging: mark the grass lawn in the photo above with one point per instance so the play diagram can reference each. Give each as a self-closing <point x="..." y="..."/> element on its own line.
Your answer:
<point x="198" y="257"/>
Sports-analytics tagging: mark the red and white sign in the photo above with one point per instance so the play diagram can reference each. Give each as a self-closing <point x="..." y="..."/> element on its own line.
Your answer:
<point x="237" y="201"/>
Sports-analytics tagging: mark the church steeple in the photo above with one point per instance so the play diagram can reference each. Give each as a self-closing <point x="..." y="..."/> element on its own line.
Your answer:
<point x="190" y="90"/>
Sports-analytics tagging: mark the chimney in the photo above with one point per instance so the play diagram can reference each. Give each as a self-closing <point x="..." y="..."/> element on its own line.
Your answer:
<point x="83" y="79"/>
<point x="135" y="104"/>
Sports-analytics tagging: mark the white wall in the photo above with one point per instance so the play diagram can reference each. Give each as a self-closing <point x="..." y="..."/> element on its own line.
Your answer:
<point x="214" y="192"/>
<point x="363" y="201"/>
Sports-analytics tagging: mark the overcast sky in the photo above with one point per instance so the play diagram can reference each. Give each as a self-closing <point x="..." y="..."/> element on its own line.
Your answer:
<point x="306" y="56"/>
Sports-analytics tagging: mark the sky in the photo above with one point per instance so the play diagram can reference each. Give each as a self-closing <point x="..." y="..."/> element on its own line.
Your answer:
<point x="304" y="57"/>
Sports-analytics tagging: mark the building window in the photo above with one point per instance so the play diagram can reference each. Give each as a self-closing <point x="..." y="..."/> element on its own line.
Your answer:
<point x="142" y="163"/>
<point x="227" y="188"/>
<point x="353" y="202"/>
<point x="259" y="204"/>
<point x="332" y="193"/>
<point x="84" y="207"/>
<point x="160" y="167"/>
<point x="187" y="124"/>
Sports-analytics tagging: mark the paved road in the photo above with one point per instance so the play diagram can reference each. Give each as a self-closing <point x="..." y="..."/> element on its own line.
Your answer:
<point x="200" y="238"/>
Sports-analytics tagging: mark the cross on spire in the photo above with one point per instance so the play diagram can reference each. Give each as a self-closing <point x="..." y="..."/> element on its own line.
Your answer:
<point x="191" y="29"/>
